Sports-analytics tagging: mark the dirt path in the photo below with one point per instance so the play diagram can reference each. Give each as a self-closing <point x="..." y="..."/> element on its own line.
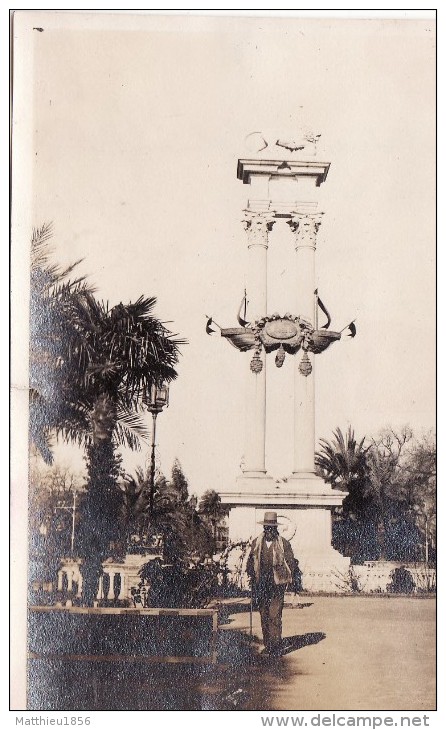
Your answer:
<point x="363" y="653"/>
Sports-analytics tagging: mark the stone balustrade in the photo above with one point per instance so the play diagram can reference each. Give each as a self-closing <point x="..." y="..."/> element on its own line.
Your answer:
<point x="115" y="583"/>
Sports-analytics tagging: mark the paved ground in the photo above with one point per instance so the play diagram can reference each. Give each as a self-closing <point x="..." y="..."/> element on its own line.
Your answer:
<point x="341" y="653"/>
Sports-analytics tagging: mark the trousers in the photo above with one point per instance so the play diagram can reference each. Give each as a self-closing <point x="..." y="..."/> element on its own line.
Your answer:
<point x="270" y="604"/>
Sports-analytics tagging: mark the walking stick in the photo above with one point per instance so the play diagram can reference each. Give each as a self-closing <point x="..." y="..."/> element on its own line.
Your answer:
<point x="250" y="616"/>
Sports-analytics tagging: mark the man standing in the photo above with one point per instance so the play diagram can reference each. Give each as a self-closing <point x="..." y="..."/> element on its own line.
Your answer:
<point x="271" y="566"/>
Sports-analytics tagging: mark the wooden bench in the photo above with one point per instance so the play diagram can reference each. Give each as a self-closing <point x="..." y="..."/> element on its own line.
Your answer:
<point x="123" y="634"/>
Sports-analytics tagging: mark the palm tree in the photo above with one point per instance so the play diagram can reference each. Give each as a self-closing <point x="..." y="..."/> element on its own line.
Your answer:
<point x="174" y="516"/>
<point x="91" y="367"/>
<point x="123" y="351"/>
<point x="343" y="463"/>
<point x="212" y="509"/>
<point x="136" y="504"/>
<point x="52" y="368"/>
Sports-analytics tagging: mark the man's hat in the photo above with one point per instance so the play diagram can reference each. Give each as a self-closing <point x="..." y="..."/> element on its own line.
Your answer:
<point x="270" y="519"/>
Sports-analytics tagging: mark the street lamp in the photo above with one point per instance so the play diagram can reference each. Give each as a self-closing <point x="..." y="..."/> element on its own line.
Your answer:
<point x="156" y="400"/>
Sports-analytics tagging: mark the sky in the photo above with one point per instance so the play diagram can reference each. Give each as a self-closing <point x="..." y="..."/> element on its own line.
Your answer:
<point x="135" y="127"/>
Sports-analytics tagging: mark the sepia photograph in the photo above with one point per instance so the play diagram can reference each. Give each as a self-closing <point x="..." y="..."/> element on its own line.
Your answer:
<point x="223" y="363"/>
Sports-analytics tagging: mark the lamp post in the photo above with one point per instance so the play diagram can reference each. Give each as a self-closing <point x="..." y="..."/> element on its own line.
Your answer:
<point x="158" y="398"/>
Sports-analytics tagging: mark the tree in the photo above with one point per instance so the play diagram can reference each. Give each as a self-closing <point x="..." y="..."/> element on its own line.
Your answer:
<point x="212" y="509"/>
<point x="125" y="350"/>
<point x="174" y="515"/>
<point x="397" y="538"/>
<point x="55" y="496"/>
<point x="93" y="365"/>
<point x="52" y="362"/>
<point x="403" y="478"/>
<point x="179" y="482"/>
<point x="391" y="501"/>
<point x="343" y="463"/>
<point x="420" y="490"/>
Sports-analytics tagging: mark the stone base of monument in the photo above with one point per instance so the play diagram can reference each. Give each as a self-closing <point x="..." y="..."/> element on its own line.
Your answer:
<point x="303" y="505"/>
<point x="123" y="634"/>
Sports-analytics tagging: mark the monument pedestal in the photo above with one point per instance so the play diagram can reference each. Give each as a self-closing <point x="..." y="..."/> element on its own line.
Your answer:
<point x="305" y="502"/>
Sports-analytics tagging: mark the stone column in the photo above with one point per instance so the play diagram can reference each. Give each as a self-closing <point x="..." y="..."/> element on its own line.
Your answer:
<point x="111" y="577"/>
<point x="59" y="580"/>
<point x="305" y="227"/>
<point x="123" y="586"/>
<point x="70" y="579"/>
<point x="257" y="226"/>
<point x="99" y="594"/>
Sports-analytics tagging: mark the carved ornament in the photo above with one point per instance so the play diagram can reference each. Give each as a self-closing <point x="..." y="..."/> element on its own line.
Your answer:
<point x="257" y="226"/>
<point x="286" y="334"/>
<point x="305" y="226"/>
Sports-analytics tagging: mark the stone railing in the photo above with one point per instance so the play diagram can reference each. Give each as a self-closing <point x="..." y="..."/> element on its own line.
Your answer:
<point x="379" y="577"/>
<point x="115" y="583"/>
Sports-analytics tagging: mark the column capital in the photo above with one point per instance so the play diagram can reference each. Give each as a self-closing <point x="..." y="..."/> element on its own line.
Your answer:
<point x="257" y="225"/>
<point x="305" y="226"/>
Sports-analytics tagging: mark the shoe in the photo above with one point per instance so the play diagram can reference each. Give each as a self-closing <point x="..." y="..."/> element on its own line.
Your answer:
<point x="273" y="651"/>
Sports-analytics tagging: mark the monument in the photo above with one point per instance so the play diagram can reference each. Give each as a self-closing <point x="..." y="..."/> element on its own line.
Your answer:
<point x="283" y="176"/>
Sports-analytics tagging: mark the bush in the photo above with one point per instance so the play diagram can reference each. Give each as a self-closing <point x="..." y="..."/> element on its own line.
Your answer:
<point x="401" y="581"/>
<point x="176" y="585"/>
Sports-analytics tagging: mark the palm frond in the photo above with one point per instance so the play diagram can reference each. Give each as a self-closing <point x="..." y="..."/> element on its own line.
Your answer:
<point x="130" y="429"/>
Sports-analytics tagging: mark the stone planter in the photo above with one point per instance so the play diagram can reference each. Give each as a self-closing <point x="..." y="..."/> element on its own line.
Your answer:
<point x="127" y="634"/>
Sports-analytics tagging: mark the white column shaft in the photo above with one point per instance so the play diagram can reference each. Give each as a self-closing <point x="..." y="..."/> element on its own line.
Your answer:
<point x="304" y="419"/>
<point x="257" y="226"/>
<point x="305" y="281"/>
<point x="305" y="227"/>
<point x="257" y="279"/>
<point x="255" y="418"/>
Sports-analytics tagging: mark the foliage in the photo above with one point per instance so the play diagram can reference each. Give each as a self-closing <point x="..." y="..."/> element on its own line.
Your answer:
<point x="193" y="584"/>
<point x="343" y="463"/>
<point x="185" y="576"/>
<point x="179" y="483"/>
<point x="53" y="299"/>
<point x="101" y="532"/>
<point x="179" y="585"/>
<point x="91" y="366"/>
<point x="420" y="488"/>
<point x="212" y="510"/>
<point x="124" y="350"/>
<point x="401" y="581"/>
<point x="348" y="582"/>
<point x="403" y="479"/>
<point x="234" y="580"/>
<point x="51" y="503"/>
<point x="425" y="578"/>
<point x="391" y="482"/>
<point x="175" y="519"/>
